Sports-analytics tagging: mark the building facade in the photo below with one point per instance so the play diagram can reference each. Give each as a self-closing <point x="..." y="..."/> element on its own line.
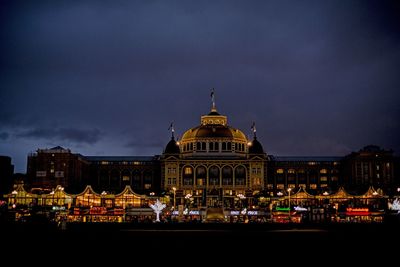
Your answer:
<point x="6" y="174"/>
<point x="214" y="165"/>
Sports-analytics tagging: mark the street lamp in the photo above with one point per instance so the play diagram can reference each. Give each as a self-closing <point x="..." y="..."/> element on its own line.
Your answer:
<point x="174" y="188"/>
<point x="14" y="193"/>
<point x="289" y="190"/>
<point x="241" y="198"/>
<point x="187" y="197"/>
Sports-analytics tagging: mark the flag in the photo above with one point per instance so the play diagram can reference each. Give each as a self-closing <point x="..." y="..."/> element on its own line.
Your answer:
<point x="253" y="127"/>
<point x="171" y="126"/>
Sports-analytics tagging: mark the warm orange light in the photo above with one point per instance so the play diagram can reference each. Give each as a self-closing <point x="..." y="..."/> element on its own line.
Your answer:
<point x="357" y="209"/>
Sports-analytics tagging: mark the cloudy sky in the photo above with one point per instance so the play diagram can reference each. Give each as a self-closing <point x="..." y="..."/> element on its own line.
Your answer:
<point x="108" y="77"/>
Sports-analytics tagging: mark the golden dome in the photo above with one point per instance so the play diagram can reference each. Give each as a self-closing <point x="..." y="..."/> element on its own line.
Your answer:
<point x="214" y="126"/>
<point x="214" y="132"/>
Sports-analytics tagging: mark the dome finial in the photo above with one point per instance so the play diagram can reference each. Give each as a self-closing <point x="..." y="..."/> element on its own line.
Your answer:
<point x="253" y="128"/>
<point x="171" y="128"/>
<point x="213" y="108"/>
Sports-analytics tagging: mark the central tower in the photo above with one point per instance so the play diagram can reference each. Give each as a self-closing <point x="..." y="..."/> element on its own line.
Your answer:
<point x="213" y="163"/>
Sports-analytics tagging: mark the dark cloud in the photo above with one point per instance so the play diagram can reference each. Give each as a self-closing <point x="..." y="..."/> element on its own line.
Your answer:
<point x="89" y="136"/>
<point x="4" y="135"/>
<point x="318" y="77"/>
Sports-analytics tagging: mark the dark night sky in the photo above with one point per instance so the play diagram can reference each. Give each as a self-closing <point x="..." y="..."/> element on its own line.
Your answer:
<point x="108" y="77"/>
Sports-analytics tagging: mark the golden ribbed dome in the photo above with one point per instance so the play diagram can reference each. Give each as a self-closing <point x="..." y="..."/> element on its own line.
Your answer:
<point x="214" y="131"/>
<point x="214" y="126"/>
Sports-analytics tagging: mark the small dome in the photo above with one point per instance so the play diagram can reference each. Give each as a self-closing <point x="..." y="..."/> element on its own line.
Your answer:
<point x="214" y="113"/>
<point x="256" y="147"/>
<point x="172" y="147"/>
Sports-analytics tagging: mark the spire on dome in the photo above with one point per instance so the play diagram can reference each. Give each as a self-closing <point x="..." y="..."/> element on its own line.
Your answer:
<point x="253" y="128"/>
<point x="172" y="129"/>
<point x="213" y="107"/>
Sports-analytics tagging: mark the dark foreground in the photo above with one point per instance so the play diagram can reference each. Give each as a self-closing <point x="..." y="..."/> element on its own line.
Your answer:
<point x="199" y="243"/>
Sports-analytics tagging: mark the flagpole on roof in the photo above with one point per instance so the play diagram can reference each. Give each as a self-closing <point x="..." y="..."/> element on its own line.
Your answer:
<point x="213" y="99"/>
<point x="171" y="128"/>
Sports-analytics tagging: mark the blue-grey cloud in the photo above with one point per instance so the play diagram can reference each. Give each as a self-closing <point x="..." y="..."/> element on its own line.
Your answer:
<point x="89" y="136"/>
<point x="4" y="135"/>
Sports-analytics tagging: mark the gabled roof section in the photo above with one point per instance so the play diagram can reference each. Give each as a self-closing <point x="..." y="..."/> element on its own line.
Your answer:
<point x="88" y="190"/>
<point x="128" y="191"/>
<point x="301" y="193"/>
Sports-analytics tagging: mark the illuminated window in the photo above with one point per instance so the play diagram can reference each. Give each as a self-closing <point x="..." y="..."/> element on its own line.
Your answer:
<point x="291" y="171"/>
<point x="147" y="186"/>
<point x="280" y="186"/>
<point x="171" y="171"/>
<point x="104" y="163"/>
<point x="313" y="186"/>
<point x="280" y="171"/>
<point x="125" y="178"/>
<point x="377" y="167"/>
<point x="387" y="165"/>
<point x="324" y="179"/>
<point x="169" y="181"/>
<point x="301" y="171"/>
<point x="188" y="170"/>
<point x="324" y="171"/>
<point x="312" y="163"/>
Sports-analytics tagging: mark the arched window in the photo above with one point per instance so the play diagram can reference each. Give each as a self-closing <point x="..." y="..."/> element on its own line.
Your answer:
<point x="223" y="146"/>
<point x="201" y="175"/>
<point x="216" y="146"/>
<point x="213" y="175"/>
<point x="240" y="175"/>
<point x="203" y="146"/>
<point x="227" y="175"/>
<point x="211" y="146"/>
<point x="188" y="175"/>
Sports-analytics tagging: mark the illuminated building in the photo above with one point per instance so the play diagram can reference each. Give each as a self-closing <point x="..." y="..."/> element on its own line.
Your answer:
<point x="214" y="163"/>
